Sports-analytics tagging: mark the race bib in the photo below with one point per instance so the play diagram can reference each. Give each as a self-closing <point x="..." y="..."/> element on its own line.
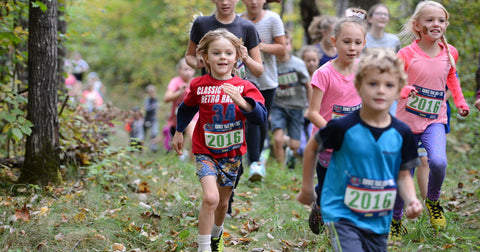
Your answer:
<point x="241" y="71"/>
<point x="221" y="138"/>
<point x="426" y="103"/>
<point x="340" y="111"/>
<point x="369" y="197"/>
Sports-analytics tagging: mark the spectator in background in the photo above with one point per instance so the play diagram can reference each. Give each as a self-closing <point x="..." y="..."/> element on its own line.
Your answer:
<point x="378" y="18"/>
<point x="79" y="66"/>
<point x="91" y="99"/>
<point x="150" y="121"/>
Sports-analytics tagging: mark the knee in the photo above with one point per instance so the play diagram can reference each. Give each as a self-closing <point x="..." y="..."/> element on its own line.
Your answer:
<point x="294" y="144"/>
<point x="438" y="165"/>
<point x="278" y="138"/>
<point x="210" y="201"/>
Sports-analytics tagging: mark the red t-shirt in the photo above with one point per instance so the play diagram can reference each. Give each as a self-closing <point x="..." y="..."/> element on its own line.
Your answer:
<point x="220" y="129"/>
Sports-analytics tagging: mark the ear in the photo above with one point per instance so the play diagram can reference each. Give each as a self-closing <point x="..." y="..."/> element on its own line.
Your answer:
<point x="334" y="41"/>
<point x="415" y="27"/>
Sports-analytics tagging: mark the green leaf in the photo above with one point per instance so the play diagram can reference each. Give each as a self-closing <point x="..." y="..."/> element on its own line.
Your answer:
<point x="10" y="118"/>
<point x="26" y="130"/>
<point x="37" y="4"/>
<point x="17" y="134"/>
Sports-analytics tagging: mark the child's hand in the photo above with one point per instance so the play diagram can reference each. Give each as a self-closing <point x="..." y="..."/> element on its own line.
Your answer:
<point x="463" y="111"/>
<point x="477" y="104"/>
<point x="407" y="91"/>
<point x="413" y="209"/>
<point x="306" y="197"/>
<point x="236" y="97"/>
<point x="245" y="53"/>
<point x="177" y="142"/>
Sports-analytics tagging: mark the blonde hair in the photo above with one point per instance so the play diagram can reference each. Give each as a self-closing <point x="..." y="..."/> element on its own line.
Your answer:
<point x="180" y="63"/>
<point x="407" y="34"/>
<point x="385" y="60"/>
<point x="353" y="15"/>
<point x="209" y="37"/>
<point x="320" y="24"/>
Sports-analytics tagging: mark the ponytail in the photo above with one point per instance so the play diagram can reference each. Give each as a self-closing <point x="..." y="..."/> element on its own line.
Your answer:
<point x="450" y="57"/>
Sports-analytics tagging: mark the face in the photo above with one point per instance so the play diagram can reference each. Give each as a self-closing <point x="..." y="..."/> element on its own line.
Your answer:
<point x="221" y="57"/>
<point x="225" y="7"/>
<point x="254" y="6"/>
<point x="378" y="90"/>
<point x="380" y="17"/>
<point x="432" y="23"/>
<point x="186" y="72"/>
<point x="349" y="42"/>
<point x="311" y="61"/>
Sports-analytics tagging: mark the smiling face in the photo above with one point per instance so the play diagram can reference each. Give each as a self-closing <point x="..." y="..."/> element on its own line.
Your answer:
<point x="349" y="42"/>
<point x="431" y="23"/>
<point x="221" y="58"/>
<point x="378" y="89"/>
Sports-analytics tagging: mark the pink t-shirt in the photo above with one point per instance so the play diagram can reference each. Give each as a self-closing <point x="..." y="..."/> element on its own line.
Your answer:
<point x="175" y="84"/>
<point x="339" y="97"/>
<point x="429" y="76"/>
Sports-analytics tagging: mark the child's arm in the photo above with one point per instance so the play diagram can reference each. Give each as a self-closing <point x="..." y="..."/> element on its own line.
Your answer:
<point x="314" y="108"/>
<point x="253" y="60"/>
<point x="307" y="194"/>
<point x="253" y="111"/>
<point x="191" y="56"/>
<point x="185" y="114"/>
<point x="278" y="48"/>
<point x="171" y="95"/>
<point x="406" y="188"/>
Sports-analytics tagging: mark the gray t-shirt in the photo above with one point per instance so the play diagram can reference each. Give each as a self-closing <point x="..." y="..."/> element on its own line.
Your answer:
<point x="269" y="27"/>
<point x="387" y="41"/>
<point x="292" y="79"/>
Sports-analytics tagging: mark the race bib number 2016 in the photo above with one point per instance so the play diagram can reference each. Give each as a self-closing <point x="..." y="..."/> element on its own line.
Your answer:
<point x="220" y="138"/>
<point x="426" y="103"/>
<point x="370" y="198"/>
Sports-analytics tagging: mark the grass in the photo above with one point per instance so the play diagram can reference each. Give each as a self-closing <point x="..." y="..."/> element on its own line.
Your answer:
<point x="146" y="202"/>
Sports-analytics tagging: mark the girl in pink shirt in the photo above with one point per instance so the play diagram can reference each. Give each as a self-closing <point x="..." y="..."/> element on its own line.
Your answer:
<point x="333" y="96"/>
<point x="429" y="63"/>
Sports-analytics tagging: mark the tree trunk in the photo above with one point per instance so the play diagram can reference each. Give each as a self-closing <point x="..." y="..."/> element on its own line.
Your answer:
<point x="42" y="161"/>
<point x="308" y="9"/>
<point x="62" y="52"/>
<point x="364" y="4"/>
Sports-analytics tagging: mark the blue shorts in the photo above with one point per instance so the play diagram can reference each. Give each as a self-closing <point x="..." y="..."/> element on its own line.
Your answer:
<point x="287" y="119"/>
<point x="224" y="169"/>
<point x="345" y="236"/>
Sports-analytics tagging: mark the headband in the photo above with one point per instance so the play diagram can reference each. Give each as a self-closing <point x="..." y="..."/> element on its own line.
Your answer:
<point x="351" y="13"/>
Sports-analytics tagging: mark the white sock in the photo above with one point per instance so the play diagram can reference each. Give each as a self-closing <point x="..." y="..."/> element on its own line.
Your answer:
<point x="217" y="230"/>
<point x="204" y="243"/>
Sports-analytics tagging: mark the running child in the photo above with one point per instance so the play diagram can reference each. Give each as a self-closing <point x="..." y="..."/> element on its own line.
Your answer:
<point x="225" y="102"/>
<point x="429" y="63"/>
<point x="373" y="153"/>
<point x="291" y="99"/>
<point x="333" y="96"/>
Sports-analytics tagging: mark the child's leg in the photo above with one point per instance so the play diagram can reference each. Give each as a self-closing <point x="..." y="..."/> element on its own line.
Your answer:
<point x="210" y="203"/>
<point x="221" y="211"/>
<point x="278" y="143"/>
<point x="434" y="140"/>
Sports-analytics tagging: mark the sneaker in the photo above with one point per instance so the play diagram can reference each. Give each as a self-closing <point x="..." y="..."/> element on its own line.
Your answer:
<point x="397" y="230"/>
<point x="435" y="211"/>
<point x="315" y="220"/>
<point x="257" y="171"/>
<point x="290" y="159"/>
<point x="217" y="244"/>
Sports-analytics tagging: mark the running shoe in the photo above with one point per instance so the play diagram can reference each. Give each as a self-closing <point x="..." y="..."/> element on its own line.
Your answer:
<point x="217" y="244"/>
<point x="437" y="218"/>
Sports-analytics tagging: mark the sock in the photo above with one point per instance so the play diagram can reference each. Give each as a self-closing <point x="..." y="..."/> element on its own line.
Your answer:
<point x="204" y="243"/>
<point x="217" y="230"/>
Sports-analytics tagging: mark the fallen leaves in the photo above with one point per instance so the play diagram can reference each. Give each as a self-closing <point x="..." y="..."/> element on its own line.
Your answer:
<point x="22" y="214"/>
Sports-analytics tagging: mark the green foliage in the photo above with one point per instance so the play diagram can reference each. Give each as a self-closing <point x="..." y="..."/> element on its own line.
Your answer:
<point x="11" y="111"/>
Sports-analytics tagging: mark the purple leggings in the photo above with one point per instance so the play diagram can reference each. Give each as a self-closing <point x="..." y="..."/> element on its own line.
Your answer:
<point x="434" y="140"/>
